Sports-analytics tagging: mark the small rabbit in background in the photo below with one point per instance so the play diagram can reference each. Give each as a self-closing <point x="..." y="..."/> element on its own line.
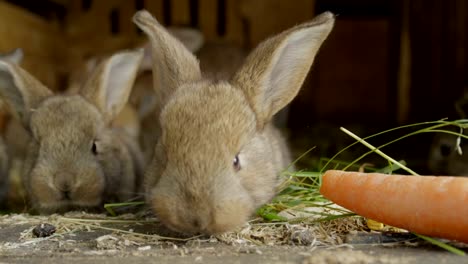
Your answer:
<point x="220" y="60"/>
<point x="16" y="136"/>
<point x="14" y="56"/>
<point x="219" y="155"/>
<point x="137" y="117"/>
<point x="449" y="153"/>
<point x="75" y="158"/>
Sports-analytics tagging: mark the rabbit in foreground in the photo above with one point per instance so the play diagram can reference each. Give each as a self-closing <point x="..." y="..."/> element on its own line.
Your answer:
<point x="75" y="157"/>
<point x="211" y="56"/>
<point x="143" y="96"/>
<point x="219" y="156"/>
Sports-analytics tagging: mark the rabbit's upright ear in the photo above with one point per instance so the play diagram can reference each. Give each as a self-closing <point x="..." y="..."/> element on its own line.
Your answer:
<point x="274" y="72"/>
<point x="192" y="39"/>
<point x="173" y="63"/>
<point x="110" y="84"/>
<point x="15" y="56"/>
<point x="21" y="91"/>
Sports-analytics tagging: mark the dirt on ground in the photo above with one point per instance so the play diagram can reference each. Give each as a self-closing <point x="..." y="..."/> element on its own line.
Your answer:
<point x="88" y="238"/>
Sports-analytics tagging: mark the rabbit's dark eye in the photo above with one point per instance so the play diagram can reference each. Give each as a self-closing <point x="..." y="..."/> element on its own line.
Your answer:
<point x="445" y="150"/>
<point x="236" y="163"/>
<point x="94" y="148"/>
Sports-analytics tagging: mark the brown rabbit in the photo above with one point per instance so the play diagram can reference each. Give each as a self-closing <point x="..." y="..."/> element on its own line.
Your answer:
<point x="213" y="66"/>
<point x="14" y="56"/>
<point x="219" y="156"/>
<point x="16" y="136"/>
<point x="75" y="157"/>
<point x="445" y="158"/>
<point x="143" y="96"/>
<point x="137" y="117"/>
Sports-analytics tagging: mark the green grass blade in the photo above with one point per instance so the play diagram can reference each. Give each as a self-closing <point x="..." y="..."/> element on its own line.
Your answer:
<point x="376" y="150"/>
<point x="442" y="245"/>
<point x="109" y="207"/>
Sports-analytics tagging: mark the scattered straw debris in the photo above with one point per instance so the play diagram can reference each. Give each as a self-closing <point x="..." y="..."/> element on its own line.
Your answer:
<point x="350" y="257"/>
<point x="128" y="231"/>
<point x="322" y="234"/>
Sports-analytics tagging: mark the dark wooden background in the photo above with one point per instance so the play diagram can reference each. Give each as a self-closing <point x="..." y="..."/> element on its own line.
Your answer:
<point x="386" y="63"/>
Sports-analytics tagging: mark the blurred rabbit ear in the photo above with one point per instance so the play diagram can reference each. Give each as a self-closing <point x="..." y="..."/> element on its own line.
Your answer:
<point x="15" y="56"/>
<point x="147" y="61"/>
<point x="173" y="64"/>
<point x="91" y="64"/>
<point x="110" y="84"/>
<point x="21" y="91"/>
<point x="190" y="37"/>
<point x="274" y="72"/>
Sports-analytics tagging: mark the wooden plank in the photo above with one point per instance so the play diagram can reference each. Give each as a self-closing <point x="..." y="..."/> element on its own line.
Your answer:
<point x="234" y="28"/>
<point x="208" y="19"/>
<point x="43" y="46"/>
<point x="127" y="10"/>
<point x="436" y="82"/>
<point x="180" y="12"/>
<point x="74" y="9"/>
<point x="94" y="22"/>
<point x="404" y="69"/>
<point x="155" y="7"/>
<point x="106" y="45"/>
<point x="347" y="85"/>
<point x="62" y="2"/>
<point x="349" y="81"/>
<point x="275" y="16"/>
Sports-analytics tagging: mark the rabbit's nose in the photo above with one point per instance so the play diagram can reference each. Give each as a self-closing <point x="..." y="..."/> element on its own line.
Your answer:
<point x="66" y="190"/>
<point x="445" y="150"/>
<point x="62" y="183"/>
<point x="66" y="195"/>
<point x="198" y="224"/>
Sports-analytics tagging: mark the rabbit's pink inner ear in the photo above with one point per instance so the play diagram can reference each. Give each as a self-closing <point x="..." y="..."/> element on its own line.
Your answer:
<point x="21" y="91"/>
<point x="110" y="85"/>
<point x="274" y="72"/>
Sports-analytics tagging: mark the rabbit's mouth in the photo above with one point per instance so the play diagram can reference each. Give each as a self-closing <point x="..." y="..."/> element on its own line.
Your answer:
<point x="66" y="204"/>
<point x="57" y="207"/>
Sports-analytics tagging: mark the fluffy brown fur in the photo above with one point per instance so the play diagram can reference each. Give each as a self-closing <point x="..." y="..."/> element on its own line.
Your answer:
<point x="75" y="157"/>
<point x="219" y="156"/>
<point x="14" y="56"/>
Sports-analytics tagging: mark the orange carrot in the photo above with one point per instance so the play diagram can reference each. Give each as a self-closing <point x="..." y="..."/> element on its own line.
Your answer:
<point x="427" y="205"/>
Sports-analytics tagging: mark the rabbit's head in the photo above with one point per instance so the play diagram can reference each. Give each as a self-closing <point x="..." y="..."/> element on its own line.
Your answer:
<point x="218" y="157"/>
<point x="73" y="153"/>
